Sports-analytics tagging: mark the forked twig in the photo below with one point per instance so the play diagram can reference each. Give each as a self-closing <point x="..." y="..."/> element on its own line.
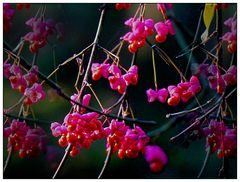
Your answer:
<point x="85" y="79"/>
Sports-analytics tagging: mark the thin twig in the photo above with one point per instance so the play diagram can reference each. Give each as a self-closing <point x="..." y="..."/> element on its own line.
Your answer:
<point x="204" y="162"/>
<point x="197" y="121"/>
<point x="18" y="46"/>
<point x="165" y="57"/>
<point x="230" y="93"/>
<point x="95" y="95"/>
<point x="123" y="96"/>
<point x="110" y="53"/>
<point x="34" y="58"/>
<point x="67" y="151"/>
<point x="197" y="46"/>
<point x="106" y="162"/>
<point x="191" y="110"/>
<point x="8" y="159"/>
<point x="209" y="53"/>
<point x="67" y="61"/>
<point x="115" y="104"/>
<point x="67" y="98"/>
<point x="121" y="100"/>
<point x="78" y="76"/>
<point x="85" y="79"/>
<point x="15" y="105"/>
<point x="154" y="70"/>
<point x="194" y="40"/>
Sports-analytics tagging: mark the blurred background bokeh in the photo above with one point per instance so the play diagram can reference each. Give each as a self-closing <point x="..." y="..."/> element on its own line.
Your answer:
<point x="80" y="24"/>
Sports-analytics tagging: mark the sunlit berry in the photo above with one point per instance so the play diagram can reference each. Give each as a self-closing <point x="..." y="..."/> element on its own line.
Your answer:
<point x="160" y="38"/>
<point x="62" y="141"/>
<point x="132" y="48"/>
<point x="173" y="101"/>
<point x="74" y="152"/>
<point x="232" y="47"/>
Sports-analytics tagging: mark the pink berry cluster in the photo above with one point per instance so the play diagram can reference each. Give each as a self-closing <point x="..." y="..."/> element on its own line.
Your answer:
<point x="128" y="142"/>
<point x="163" y="29"/>
<point x="221" y="139"/>
<point x="120" y="6"/>
<point x="8" y="14"/>
<point x="183" y="91"/>
<point x="27" y="141"/>
<point x="78" y="130"/>
<point x="34" y="94"/>
<point x="216" y="80"/>
<point x="26" y="84"/>
<point x="140" y="29"/>
<point x="231" y="36"/>
<point x="156" y="158"/>
<point x="41" y="29"/>
<point x="81" y="130"/>
<point x="117" y="81"/>
<point x="20" y="6"/>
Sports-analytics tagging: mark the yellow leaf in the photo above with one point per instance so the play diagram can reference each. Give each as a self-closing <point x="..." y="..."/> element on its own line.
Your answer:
<point x="208" y="15"/>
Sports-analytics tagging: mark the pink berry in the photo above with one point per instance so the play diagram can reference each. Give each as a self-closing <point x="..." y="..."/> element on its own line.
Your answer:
<point x="152" y="95"/>
<point x="162" y="95"/>
<point x="156" y="158"/>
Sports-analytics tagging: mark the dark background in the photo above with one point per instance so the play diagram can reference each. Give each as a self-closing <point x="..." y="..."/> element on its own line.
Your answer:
<point x="80" y="23"/>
